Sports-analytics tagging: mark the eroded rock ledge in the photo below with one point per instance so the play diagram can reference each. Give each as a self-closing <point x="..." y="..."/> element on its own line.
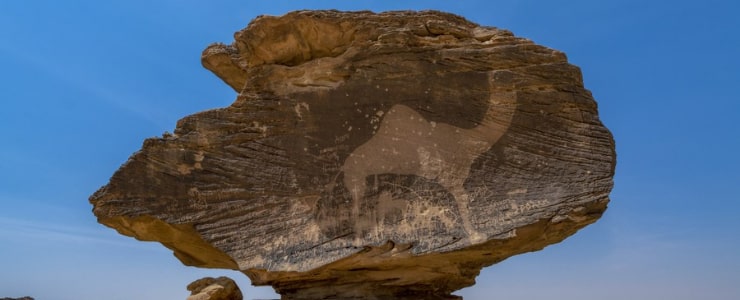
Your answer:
<point x="373" y="156"/>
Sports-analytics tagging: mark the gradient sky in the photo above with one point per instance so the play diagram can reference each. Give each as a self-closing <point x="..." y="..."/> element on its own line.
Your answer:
<point x="83" y="83"/>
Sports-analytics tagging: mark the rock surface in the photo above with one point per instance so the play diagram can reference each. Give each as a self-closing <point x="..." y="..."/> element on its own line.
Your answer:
<point x="374" y="156"/>
<point x="208" y="288"/>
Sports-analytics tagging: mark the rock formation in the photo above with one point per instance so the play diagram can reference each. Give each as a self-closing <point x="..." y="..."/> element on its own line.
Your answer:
<point x="222" y="288"/>
<point x="374" y="156"/>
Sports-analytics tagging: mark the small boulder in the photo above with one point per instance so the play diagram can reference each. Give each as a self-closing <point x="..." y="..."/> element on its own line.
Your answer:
<point x="209" y="288"/>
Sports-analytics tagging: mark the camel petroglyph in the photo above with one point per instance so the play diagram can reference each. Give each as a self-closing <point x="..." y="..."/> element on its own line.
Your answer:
<point x="407" y="143"/>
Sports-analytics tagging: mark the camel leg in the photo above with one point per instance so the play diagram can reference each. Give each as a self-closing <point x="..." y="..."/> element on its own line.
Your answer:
<point x="357" y="187"/>
<point x="463" y="199"/>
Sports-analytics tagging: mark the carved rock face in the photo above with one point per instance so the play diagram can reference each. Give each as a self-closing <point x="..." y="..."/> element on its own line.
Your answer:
<point x="371" y="155"/>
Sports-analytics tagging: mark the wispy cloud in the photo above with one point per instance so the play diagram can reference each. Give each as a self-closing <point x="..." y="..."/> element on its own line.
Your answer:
<point x="34" y="231"/>
<point x="88" y="82"/>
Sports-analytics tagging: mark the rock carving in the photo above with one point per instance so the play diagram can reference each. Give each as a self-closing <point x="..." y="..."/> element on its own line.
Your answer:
<point x="407" y="143"/>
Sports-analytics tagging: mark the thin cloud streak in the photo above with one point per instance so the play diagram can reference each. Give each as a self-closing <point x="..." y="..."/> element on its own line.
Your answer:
<point x="73" y="76"/>
<point x="45" y="232"/>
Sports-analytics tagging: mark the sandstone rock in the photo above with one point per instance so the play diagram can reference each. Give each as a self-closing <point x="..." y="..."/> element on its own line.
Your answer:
<point x="374" y="156"/>
<point x="222" y="288"/>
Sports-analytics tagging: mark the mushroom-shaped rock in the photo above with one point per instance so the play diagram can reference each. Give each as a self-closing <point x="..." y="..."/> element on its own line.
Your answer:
<point x="376" y="156"/>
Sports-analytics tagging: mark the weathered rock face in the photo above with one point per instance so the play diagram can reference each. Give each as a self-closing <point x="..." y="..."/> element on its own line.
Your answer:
<point x="371" y="156"/>
<point x="208" y="288"/>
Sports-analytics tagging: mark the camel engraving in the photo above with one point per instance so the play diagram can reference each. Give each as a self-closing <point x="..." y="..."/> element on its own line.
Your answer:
<point x="407" y="143"/>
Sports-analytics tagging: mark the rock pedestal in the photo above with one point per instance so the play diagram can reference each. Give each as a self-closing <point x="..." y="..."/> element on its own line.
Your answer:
<point x="373" y="156"/>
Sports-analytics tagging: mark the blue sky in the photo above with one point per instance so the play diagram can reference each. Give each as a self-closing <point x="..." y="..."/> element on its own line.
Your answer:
<point x="83" y="83"/>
